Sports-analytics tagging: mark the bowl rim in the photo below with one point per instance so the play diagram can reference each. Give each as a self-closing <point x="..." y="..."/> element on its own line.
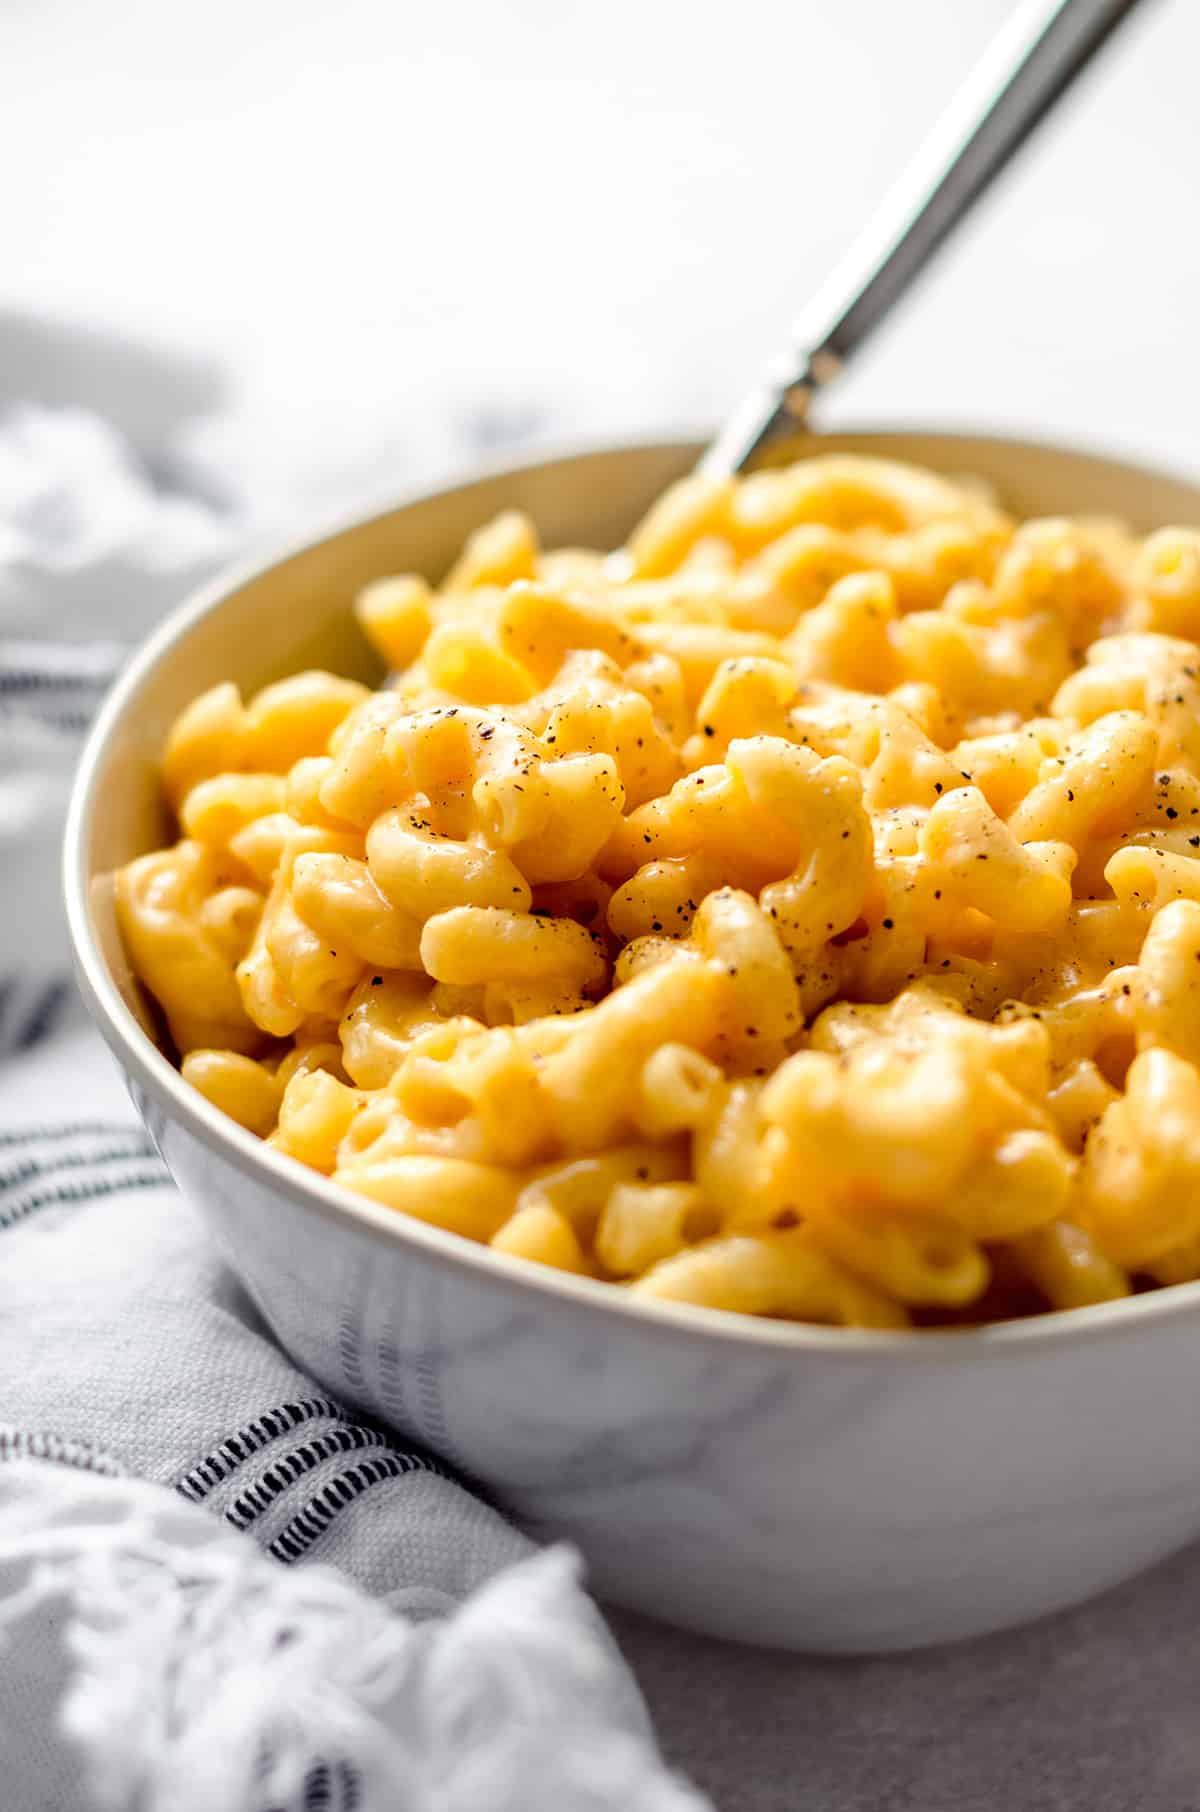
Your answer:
<point x="312" y="1193"/>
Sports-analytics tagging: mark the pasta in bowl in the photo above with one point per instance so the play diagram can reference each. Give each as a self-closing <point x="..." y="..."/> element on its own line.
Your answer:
<point x="761" y="1475"/>
<point x="796" y="912"/>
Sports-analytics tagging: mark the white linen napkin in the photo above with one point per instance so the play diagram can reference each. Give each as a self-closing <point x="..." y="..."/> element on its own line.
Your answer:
<point x="219" y="1587"/>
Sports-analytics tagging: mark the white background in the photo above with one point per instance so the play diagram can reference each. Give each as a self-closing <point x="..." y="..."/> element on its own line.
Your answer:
<point x="404" y="228"/>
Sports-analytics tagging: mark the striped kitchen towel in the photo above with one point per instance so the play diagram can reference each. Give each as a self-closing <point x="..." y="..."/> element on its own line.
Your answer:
<point x="220" y="1586"/>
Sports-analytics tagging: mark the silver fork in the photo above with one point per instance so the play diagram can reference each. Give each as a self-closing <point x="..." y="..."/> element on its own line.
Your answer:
<point x="1028" y="67"/>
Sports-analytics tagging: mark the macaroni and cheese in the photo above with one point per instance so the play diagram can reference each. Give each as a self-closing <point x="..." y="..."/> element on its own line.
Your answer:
<point x="796" y="912"/>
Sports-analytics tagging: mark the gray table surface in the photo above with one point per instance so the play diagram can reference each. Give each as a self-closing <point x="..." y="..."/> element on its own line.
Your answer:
<point x="1093" y="1711"/>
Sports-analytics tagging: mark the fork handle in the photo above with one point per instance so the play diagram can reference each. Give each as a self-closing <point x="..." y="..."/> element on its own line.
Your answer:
<point x="1028" y="67"/>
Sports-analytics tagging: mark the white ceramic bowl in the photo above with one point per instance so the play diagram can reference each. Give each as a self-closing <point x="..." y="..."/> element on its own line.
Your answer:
<point x="810" y="1488"/>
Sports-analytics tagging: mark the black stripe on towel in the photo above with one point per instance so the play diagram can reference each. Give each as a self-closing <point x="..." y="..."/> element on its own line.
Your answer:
<point x="203" y="1478"/>
<point x="43" y="1016"/>
<point x="22" y="1444"/>
<point x="258" y="1498"/>
<point x="22" y="682"/>
<point x="56" y="688"/>
<point x="323" y="1508"/>
<point x="33" y="672"/>
<point x="326" y="1789"/>
<point x="27" y="1169"/>
<point x="29" y="1010"/>
<point x="336" y="1789"/>
<point x="23" y="1206"/>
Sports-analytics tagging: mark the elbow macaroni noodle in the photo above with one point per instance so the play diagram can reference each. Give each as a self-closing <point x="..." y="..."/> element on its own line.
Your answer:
<point x="796" y="912"/>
